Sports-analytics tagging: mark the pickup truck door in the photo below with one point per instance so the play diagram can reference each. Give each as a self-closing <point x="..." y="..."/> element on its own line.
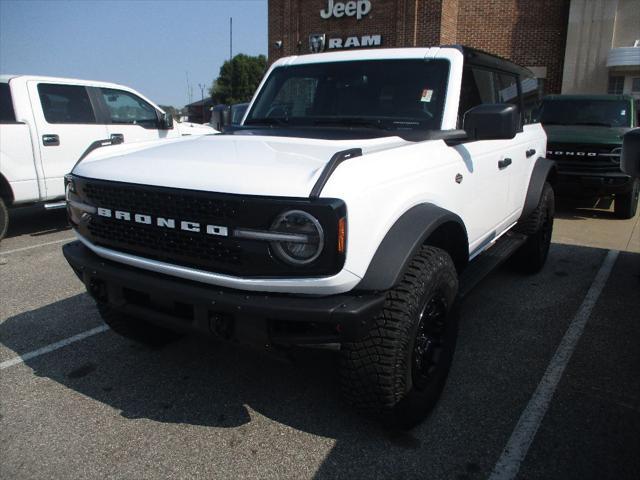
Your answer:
<point x="66" y="124"/>
<point x="129" y="117"/>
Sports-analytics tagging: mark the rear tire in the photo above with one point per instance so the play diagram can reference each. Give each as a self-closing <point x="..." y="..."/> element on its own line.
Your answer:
<point x="135" y="328"/>
<point x="626" y="205"/>
<point x="398" y="370"/>
<point x="4" y="219"/>
<point x="531" y="257"/>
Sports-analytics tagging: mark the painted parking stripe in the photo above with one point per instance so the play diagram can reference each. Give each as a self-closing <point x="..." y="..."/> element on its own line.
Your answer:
<point x="515" y="451"/>
<point x="52" y="347"/>
<point x="16" y="250"/>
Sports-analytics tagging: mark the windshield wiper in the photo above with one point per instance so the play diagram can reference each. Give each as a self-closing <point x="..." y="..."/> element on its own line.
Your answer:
<point x="352" y="122"/>
<point x="266" y="121"/>
<point x="595" y="124"/>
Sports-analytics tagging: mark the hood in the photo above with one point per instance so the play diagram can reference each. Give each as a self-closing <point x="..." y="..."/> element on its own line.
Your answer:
<point x="189" y="128"/>
<point x="251" y="165"/>
<point x="586" y="134"/>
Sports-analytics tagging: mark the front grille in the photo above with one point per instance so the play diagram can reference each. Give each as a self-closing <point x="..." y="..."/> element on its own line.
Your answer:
<point x="585" y="158"/>
<point x="154" y="202"/>
<point x="199" y="249"/>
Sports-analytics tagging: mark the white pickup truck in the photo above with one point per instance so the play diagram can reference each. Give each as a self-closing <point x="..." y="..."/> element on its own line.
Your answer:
<point x="46" y="124"/>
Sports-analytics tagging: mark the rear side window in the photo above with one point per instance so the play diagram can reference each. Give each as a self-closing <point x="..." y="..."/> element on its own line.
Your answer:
<point x="127" y="108"/>
<point x="65" y="103"/>
<point x="7" y="115"/>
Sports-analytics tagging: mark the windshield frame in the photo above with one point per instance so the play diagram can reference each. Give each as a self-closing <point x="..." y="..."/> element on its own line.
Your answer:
<point x="379" y="120"/>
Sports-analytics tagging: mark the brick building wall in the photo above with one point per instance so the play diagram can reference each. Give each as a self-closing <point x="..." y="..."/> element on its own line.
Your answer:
<point x="529" y="32"/>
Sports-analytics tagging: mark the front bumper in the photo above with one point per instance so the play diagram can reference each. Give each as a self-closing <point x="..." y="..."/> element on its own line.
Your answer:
<point x="576" y="183"/>
<point x="248" y="317"/>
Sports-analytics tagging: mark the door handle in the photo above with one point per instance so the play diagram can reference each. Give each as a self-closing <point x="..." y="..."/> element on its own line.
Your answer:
<point x="531" y="152"/>
<point x="504" y="163"/>
<point x="117" y="138"/>
<point x="50" y="140"/>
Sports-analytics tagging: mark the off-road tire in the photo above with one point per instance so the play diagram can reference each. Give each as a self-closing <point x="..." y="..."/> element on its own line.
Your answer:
<point x="626" y="204"/>
<point x="531" y="257"/>
<point x="4" y="219"/>
<point x="136" y="329"/>
<point x="379" y="374"/>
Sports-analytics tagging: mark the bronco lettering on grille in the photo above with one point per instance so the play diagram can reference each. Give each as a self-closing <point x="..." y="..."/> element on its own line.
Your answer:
<point x="162" y="222"/>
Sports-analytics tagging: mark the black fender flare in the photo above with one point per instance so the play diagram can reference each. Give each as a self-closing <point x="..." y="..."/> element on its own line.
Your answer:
<point x="542" y="169"/>
<point x="404" y="239"/>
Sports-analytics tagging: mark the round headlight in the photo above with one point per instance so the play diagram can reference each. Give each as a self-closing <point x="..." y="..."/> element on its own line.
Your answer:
<point x="307" y="237"/>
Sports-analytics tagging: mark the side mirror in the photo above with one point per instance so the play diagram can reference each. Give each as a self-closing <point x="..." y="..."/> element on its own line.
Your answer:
<point x="166" y="121"/>
<point x="492" y="121"/>
<point x="225" y="118"/>
<point x="630" y="158"/>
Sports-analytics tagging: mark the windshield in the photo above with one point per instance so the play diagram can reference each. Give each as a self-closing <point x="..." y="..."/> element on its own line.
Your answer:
<point x="606" y="113"/>
<point x="385" y="94"/>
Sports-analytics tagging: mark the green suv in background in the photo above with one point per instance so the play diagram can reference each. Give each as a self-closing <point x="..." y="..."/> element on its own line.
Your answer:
<point x="584" y="137"/>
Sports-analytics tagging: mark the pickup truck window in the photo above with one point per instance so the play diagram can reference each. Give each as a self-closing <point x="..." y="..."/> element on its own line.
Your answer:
<point x="7" y="115"/>
<point x="388" y="94"/>
<point x="605" y="113"/>
<point x="65" y="103"/>
<point x="127" y="108"/>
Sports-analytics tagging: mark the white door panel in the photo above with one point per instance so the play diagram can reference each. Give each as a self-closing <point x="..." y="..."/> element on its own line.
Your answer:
<point x="65" y="124"/>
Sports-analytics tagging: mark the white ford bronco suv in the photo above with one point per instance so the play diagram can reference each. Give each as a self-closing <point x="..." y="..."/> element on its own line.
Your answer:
<point x="363" y="194"/>
<point x="46" y="123"/>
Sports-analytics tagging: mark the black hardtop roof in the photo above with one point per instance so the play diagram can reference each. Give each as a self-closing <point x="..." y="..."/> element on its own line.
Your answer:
<point x="480" y="58"/>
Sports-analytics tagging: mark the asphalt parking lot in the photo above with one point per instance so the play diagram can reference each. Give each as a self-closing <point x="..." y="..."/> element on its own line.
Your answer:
<point x="545" y="381"/>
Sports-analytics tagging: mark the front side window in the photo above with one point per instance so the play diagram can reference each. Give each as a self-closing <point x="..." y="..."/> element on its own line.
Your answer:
<point x="531" y="91"/>
<point x="605" y="113"/>
<point x="388" y="94"/>
<point x="478" y="87"/>
<point x="7" y="115"/>
<point x="127" y="108"/>
<point x="65" y="104"/>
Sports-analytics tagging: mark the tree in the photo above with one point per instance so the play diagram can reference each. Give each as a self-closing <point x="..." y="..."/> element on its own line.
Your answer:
<point x="238" y="79"/>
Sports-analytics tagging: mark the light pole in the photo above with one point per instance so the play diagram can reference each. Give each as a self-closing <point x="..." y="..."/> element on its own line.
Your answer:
<point x="202" y="98"/>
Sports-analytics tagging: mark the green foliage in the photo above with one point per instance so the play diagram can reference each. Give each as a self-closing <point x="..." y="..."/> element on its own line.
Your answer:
<point x="238" y="79"/>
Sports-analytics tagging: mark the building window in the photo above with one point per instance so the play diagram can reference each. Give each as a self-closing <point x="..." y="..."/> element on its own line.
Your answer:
<point x="616" y="85"/>
<point x="635" y="84"/>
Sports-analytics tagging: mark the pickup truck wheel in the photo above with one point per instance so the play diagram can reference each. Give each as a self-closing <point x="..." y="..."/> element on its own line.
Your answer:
<point x="398" y="370"/>
<point x="135" y="328"/>
<point x="531" y="256"/>
<point x="626" y="205"/>
<point x="4" y="219"/>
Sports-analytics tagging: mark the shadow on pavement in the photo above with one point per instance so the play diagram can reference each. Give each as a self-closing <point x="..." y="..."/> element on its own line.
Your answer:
<point x="503" y="350"/>
<point x="569" y="208"/>
<point x="35" y="221"/>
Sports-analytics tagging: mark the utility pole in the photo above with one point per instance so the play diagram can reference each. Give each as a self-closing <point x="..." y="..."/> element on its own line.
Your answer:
<point x="202" y="98"/>
<point x="231" y="52"/>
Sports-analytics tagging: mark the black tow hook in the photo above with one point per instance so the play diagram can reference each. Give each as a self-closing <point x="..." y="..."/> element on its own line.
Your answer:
<point x="98" y="289"/>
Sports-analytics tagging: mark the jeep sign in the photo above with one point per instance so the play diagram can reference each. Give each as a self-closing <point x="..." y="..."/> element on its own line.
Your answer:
<point x="358" y="8"/>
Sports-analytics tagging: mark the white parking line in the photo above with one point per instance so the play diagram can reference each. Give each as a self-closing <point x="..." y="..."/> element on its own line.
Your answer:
<point x="52" y="347"/>
<point x="523" y="434"/>
<point x="15" y="250"/>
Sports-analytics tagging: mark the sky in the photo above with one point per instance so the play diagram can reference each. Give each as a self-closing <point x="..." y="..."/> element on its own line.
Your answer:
<point x="148" y="45"/>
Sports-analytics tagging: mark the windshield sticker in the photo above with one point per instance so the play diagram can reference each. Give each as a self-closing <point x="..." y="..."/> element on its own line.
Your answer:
<point x="623" y="112"/>
<point x="426" y="95"/>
